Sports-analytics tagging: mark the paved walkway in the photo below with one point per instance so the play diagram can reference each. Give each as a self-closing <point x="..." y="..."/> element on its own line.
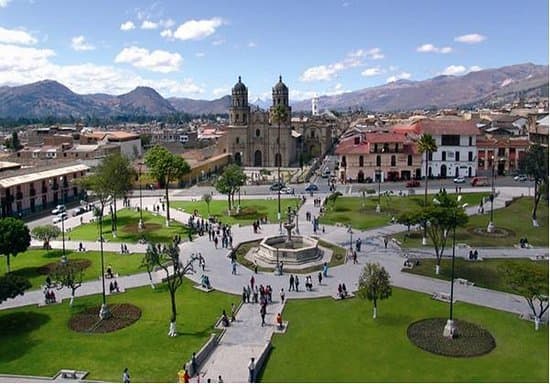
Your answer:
<point x="246" y="338"/>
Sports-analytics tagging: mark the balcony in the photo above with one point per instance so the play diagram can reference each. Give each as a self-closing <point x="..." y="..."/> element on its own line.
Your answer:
<point x="19" y="195"/>
<point x="44" y="189"/>
<point x="55" y="187"/>
<point x="33" y="192"/>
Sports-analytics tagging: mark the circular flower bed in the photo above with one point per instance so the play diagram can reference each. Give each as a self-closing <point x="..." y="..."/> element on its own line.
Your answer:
<point x="134" y="228"/>
<point x="88" y="321"/>
<point x="49" y="268"/>
<point x="498" y="232"/>
<point x="472" y="340"/>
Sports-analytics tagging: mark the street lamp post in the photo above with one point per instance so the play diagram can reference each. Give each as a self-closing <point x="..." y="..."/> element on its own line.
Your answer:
<point x="64" y="256"/>
<point x="278" y="159"/>
<point x="350" y="231"/>
<point x="491" y="225"/>
<point x="140" y="224"/>
<point x="297" y="226"/>
<point x="104" y="312"/>
<point x="378" y="174"/>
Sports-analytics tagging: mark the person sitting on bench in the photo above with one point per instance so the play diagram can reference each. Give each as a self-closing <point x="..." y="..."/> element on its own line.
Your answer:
<point x="225" y="319"/>
<point x="279" y="321"/>
<point x="110" y="272"/>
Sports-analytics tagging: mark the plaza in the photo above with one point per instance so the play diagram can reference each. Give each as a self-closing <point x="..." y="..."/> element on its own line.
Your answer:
<point x="497" y="310"/>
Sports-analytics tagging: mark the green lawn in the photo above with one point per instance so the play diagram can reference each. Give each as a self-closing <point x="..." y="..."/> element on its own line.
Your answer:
<point x="251" y="210"/>
<point x="516" y="219"/>
<point x="484" y="273"/>
<point x="155" y="229"/>
<point x="37" y="341"/>
<point x="338" y="341"/>
<point x="361" y="213"/>
<point x="29" y="263"/>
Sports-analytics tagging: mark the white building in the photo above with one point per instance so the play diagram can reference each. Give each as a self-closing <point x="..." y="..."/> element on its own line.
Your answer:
<point x="315" y="105"/>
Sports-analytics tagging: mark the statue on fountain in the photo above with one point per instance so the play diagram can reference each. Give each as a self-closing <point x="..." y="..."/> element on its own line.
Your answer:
<point x="289" y="226"/>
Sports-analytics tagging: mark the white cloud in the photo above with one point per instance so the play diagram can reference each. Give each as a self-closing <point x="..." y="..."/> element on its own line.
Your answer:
<point x="328" y="72"/>
<point x="16" y="36"/>
<point x="148" y="24"/>
<point x="375" y="54"/>
<point x="251" y="44"/>
<point x="200" y="54"/>
<point x="296" y="94"/>
<point x="475" y="68"/>
<point x="167" y="34"/>
<point x="156" y="61"/>
<point x="453" y="70"/>
<point x="197" y="29"/>
<point x="23" y="65"/>
<point x="4" y="3"/>
<point x="399" y="76"/>
<point x="79" y="43"/>
<point x="472" y="38"/>
<point x="218" y="42"/>
<point x="430" y="48"/>
<point x="167" y="23"/>
<point x="374" y="71"/>
<point x="127" y="26"/>
<point x="217" y="92"/>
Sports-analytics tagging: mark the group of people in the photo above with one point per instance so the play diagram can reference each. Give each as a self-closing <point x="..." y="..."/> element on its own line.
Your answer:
<point x="124" y="249"/>
<point x="523" y="243"/>
<point x="317" y="202"/>
<point x="113" y="287"/>
<point x="222" y="230"/>
<point x="49" y="296"/>
<point x="473" y="255"/>
<point x="256" y="226"/>
<point x="342" y="291"/>
<point x="109" y="273"/>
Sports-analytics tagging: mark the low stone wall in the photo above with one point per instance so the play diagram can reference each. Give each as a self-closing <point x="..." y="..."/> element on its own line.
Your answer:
<point x="263" y="358"/>
<point x="202" y="355"/>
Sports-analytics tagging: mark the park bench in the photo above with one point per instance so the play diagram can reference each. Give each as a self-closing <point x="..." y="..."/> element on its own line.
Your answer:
<point x="348" y="296"/>
<point x="204" y="289"/>
<point x="68" y="374"/>
<point x="462" y="281"/>
<point x="442" y="296"/>
<point x="539" y="257"/>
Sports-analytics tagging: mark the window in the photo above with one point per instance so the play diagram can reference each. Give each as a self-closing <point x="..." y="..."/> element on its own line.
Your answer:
<point x="343" y="161"/>
<point x="430" y="156"/>
<point x="312" y="134"/>
<point x="470" y="141"/>
<point x="236" y="117"/>
<point x="501" y="152"/>
<point x="360" y="161"/>
<point x="386" y="148"/>
<point x="356" y="140"/>
<point x="378" y="160"/>
<point x="470" y="156"/>
<point x="392" y="161"/>
<point x="457" y="156"/>
<point x="409" y="160"/>
<point x="236" y="140"/>
<point x="443" y="156"/>
<point x="450" y="140"/>
<point x="257" y="133"/>
<point x="396" y="147"/>
<point x="375" y="148"/>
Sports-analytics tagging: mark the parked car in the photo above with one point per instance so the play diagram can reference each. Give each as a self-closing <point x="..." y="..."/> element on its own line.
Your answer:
<point x="287" y="190"/>
<point x="60" y="217"/>
<point x="79" y="211"/>
<point x="413" y="184"/>
<point x="520" y="178"/>
<point x="459" y="180"/>
<point x="312" y="187"/>
<point x="480" y="181"/>
<point x="276" y="186"/>
<point x="58" y="209"/>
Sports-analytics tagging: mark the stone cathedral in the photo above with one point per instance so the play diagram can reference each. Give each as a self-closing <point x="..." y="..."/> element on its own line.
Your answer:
<point x="253" y="137"/>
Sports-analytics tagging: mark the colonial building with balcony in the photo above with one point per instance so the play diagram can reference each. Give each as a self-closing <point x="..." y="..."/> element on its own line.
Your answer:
<point x="28" y="191"/>
<point x="504" y="152"/>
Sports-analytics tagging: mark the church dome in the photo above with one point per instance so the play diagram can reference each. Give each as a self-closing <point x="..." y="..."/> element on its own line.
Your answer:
<point x="239" y="87"/>
<point x="280" y="87"/>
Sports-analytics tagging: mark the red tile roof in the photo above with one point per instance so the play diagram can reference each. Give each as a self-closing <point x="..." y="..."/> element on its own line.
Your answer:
<point x="436" y="127"/>
<point x="384" y="137"/>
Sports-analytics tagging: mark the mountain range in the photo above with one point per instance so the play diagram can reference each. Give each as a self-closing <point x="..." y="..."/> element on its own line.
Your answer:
<point x="50" y="98"/>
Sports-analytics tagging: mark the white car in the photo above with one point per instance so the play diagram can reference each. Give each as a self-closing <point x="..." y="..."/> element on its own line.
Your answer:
<point x="59" y="218"/>
<point x="287" y="190"/>
<point x="58" y="209"/>
<point x="459" y="180"/>
<point x="520" y="178"/>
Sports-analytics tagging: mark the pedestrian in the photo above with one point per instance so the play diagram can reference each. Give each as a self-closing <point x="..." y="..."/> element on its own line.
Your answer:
<point x="296" y="282"/>
<point x="291" y="281"/>
<point x="354" y="257"/>
<point x="220" y="380"/>
<point x="244" y="295"/>
<point x="386" y="242"/>
<point x="194" y="365"/>
<point x="233" y="267"/>
<point x="251" y="369"/>
<point x="252" y="280"/>
<point x="262" y="313"/>
<point x="320" y="277"/>
<point x="282" y="295"/>
<point x="125" y="376"/>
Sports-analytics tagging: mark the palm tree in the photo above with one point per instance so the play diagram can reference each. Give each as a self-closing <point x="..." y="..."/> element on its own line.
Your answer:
<point x="427" y="145"/>
<point x="279" y="114"/>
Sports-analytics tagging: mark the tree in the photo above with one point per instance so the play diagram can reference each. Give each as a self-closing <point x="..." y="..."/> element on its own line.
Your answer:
<point x="411" y="217"/>
<point x="374" y="284"/>
<point x="119" y="174"/>
<point x="168" y="260"/>
<point x="207" y="198"/>
<point x="230" y="181"/>
<point x="14" y="238"/>
<point x="279" y="115"/>
<point x="165" y="167"/>
<point x="46" y="233"/>
<point x="440" y="219"/>
<point x="531" y="283"/>
<point x="535" y="164"/>
<point x="333" y="197"/>
<point x="12" y="286"/>
<point x="426" y="145"/>
<point x="70" y="275"/>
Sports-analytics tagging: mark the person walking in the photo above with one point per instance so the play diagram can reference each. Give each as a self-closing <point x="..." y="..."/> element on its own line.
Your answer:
<point x="320" y="277"/>
<point x="263" y="311"/>
<point x="251" y="369"/>
<point x="291" y="281"/>
<point x="296" y="282"/>
<point x="125" y="376"/>
<point x="282" y="295"/>
<point x="194" y="364"/>
<point x="385" y="242"/>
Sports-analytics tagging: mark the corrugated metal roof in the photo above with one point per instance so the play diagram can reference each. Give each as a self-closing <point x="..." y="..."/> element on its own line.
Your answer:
<point x="36" y="176"/>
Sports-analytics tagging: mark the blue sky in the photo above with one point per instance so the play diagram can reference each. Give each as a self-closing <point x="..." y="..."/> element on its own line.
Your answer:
<point x="198" y="49"/>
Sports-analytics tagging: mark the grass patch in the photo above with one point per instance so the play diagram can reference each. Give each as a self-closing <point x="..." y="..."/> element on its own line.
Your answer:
<point x="251" y="210"/>
<point x="155" y="229"/>
<point x="485" y="274"/>
<point x="38" y="341"/>
<point x="361" y="213"/>
<point x="34" y="263"/>
<point x="357" y="348"/>
<point x="516" y="219"/>
<point x="338" y="257"/>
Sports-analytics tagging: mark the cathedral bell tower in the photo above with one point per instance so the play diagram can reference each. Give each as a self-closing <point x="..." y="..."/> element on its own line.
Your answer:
<point x="280" y="97"/>
<point x="239" y="112"/>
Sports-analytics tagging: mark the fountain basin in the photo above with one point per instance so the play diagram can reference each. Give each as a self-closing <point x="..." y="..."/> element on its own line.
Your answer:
<point x="299" y="250"/>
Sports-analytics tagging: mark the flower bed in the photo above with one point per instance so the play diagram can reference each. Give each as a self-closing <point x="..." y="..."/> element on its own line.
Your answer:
<point x="122" y="316"/>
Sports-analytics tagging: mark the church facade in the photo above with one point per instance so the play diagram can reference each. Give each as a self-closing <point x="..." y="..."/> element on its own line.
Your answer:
<point x="255" y="138"/>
